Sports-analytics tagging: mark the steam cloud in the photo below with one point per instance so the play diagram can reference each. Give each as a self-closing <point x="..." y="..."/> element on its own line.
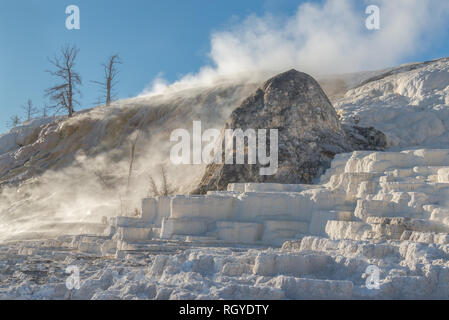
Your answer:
<point x="319" y="39"/>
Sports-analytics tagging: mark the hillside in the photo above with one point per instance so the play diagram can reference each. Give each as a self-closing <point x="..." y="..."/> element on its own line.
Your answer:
<point x="74" y="170"/>
<point x="409" y="104"/>
<point x="68" y="171"/>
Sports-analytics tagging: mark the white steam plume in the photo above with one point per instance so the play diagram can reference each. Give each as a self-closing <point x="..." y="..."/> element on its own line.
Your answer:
<point x="320" y="39"/>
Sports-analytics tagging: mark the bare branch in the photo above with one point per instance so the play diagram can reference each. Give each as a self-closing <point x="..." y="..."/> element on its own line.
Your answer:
<point x="154" y="191"/>
<point x="30" y="111"/>
<point x="109" y="83"/>
<point x="13" y="122"/>
<point x="166" y="188"/>
<point x="63" y="94"/>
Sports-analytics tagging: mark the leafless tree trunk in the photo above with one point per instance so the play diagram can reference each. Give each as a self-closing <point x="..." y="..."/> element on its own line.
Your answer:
<point x="63" y="94"/>
<point x="131" y="161"/>
<point x="45" y="111"/>
<point x="30" y="111"/>
<point x="165" y="186"/>
<point x="110" y="79"/>
<point x="14" y="121"/>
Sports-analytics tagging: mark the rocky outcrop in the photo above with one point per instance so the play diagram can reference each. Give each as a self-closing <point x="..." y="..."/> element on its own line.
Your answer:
<point x="362" y="138"/>
<point x="309" y="133"/>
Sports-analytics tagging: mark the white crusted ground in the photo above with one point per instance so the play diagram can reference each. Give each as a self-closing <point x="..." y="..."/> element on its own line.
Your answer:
<point x="315" y="269"/>
<point x="388" y="210"/>
<point x="408" y="104"/>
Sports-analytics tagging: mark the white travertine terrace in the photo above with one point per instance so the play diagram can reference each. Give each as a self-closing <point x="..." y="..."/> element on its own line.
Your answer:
<point x="266" y="241"/>
<point x="359" y="187"/>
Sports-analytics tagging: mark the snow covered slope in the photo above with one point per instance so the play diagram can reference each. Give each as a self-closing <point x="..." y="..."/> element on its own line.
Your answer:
<point x="21" y="135"/>
<point x="410" y="104"/>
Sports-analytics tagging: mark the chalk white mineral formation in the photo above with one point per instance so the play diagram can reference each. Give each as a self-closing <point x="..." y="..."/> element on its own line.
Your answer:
<point x="375" y="225"/>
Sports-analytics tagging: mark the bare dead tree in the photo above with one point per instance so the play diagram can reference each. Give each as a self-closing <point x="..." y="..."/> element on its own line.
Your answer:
<point x="165" y="188"/>
<point x="63" y="94"/>
<point x="154" y="190"/>
<point x="131" y="161"/>
<point x="44" y="111"/>
<point x="30" y="111"/>
<point x="111" y="72"/>
<point x="14" y="121"/>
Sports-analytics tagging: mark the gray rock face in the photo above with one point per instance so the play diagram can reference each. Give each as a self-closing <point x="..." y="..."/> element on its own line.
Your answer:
<point x="362" y="138"/>
<point x="309" y="133"/>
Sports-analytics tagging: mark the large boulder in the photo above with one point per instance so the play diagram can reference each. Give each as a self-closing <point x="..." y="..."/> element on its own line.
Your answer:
<point x="309" y="133"/>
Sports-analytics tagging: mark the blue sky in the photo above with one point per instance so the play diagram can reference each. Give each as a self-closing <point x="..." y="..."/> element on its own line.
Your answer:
<point x="152" y="36"/>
